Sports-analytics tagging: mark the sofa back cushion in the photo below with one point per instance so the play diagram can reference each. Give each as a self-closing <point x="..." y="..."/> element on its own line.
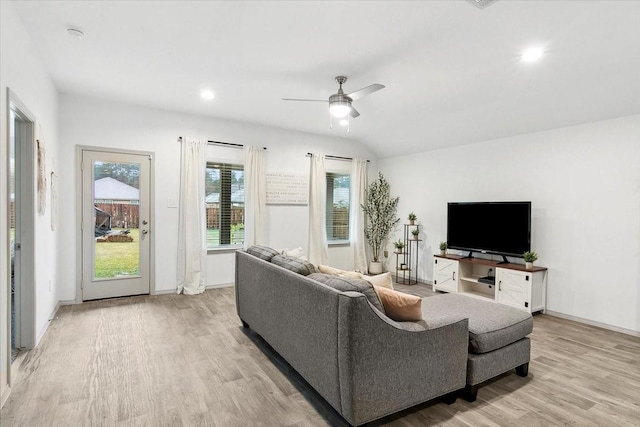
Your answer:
<point x="297" y="265"/>
<point x="345" y="284"/>
<point x="262" y="252"/>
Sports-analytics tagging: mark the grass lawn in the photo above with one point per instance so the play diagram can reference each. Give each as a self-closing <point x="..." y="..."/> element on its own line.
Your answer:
<point x="117" y="259"/>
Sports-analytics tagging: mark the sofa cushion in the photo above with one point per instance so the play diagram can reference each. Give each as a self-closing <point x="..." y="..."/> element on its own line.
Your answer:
<point x="296" y="265"/>
<point x="399" y="306"/>
<point x="345" y="284"/>
<point x="262" y="252"/>
<point x="491" y="325"/>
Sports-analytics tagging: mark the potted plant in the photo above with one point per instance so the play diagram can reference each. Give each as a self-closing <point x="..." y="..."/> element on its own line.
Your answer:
<point x="529" y="258"/>
<point x="443" y="248"/>
<point x="412" y="218"/>
<point x="380" y="211"/>
<point x="415" y="233"/>
<point x="399" y="245"/>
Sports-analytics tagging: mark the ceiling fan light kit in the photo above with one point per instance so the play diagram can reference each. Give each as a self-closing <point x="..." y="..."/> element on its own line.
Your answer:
<point x="341" y="104"/>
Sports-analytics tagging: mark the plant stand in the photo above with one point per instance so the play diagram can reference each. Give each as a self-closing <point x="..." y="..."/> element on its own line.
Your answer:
<point x="409" y="257"/>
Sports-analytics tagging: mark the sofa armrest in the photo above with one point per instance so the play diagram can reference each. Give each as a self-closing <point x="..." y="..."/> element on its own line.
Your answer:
<point x="384" y="368"/>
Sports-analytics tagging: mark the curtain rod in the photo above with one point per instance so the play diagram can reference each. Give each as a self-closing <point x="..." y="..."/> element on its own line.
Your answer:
<point x="226" y="144"/>
<point x="347" y="159"/>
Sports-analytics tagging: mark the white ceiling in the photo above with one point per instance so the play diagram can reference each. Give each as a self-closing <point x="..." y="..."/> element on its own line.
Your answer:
<point x="452" y="71"/>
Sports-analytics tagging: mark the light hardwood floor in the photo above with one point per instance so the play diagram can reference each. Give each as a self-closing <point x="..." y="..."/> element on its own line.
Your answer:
<point x="176" y="360"/>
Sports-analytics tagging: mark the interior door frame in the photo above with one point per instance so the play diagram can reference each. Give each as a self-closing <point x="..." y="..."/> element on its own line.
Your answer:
<point x="151" y="236"/>
<point x="26" y="138"/>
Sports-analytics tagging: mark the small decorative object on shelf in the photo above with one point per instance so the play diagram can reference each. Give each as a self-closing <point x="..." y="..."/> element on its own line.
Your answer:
<point x="399" y="245"/>
<point x="443" y="248"/>
<point x="403" y="266"/>
<point x="412" y="218"/>
<point x="415" y="233"/>
<point x="529" y="258"/>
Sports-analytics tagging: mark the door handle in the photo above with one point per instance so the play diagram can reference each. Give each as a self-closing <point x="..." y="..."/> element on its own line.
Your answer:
<point x="500" y="285"/>
<point x="454" y="276"/>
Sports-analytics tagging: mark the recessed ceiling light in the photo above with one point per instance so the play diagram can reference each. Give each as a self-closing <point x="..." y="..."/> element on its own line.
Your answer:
<point x="344" y="122"/>
<point x="532" y="54"/>
<point x="74" y="32"/>
<point x="207" y="95"/>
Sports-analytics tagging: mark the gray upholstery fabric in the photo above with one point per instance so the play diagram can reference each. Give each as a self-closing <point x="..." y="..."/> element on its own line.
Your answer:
<point x="345" y="284"/>
<point x="296" y="265"/>
<point x="262" y="252"/>
<point x="491" y="325"/>
<point x="296" y="316"/>
<point x="482" y="367"/>
<point x="384" y="370"/>
<point x="364" y="364"/>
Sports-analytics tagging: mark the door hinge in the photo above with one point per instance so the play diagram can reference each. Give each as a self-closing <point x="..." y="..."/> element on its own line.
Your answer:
<point x="82" y="284"/>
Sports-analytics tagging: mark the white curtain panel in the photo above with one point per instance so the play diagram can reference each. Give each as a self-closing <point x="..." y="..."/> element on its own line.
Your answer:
<point x="255" y="195"/>
<point x="356" y="215"/>
<point x="317" y="207"/>
<point x="192" y="239"/>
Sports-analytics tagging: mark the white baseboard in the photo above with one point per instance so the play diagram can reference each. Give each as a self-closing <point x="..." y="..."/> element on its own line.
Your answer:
<point x="221" y="285"/>
<point x="593" y="323"/>
<point x="173" y="291"/>
<point x="46" y="325"/>
<point x="68" y="302"/>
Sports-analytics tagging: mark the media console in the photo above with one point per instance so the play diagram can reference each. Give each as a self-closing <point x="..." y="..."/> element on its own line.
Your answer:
<point x="512" y="284"/>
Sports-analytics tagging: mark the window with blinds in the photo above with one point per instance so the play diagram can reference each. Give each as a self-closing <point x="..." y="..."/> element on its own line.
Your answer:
<point x="224" y="189"/>
<point x="337" y="217"/>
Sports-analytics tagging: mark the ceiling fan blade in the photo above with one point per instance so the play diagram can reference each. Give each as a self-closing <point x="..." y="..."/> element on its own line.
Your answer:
<point x="365" y="91"/>
<point x="309" y="100"/>
<point x="354" y="113"/>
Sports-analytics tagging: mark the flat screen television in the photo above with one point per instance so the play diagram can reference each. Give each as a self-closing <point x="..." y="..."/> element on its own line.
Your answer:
<point x="501" y="228"/>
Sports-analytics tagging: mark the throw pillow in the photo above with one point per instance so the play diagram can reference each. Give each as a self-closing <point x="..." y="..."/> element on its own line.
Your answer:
<point x="337" y="272"/>
<point x="345" y="284"/>
<point x="296" y="265"/>
<point x="399" y="306"/>
<point x="384" y="280"/>
<point x="295" y="253"/>
<point x="262" y="252"/>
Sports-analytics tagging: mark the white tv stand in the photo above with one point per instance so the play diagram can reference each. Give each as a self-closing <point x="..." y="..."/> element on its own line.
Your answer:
<point x="514" y="285"/>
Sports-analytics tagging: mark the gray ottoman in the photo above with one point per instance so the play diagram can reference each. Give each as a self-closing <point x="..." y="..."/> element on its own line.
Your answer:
<point x="497" y="336"/>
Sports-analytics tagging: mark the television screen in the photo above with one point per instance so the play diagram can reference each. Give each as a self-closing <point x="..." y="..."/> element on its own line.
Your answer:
<point x="502" y="228"/>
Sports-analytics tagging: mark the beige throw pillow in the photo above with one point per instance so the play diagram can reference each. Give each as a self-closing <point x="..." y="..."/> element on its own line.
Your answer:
<point x="384" y="280"/>
<point x="337" y="272"/>
<point x="399" y="306"/>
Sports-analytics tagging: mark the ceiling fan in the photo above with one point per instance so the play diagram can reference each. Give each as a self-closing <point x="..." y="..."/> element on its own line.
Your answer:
<point x="340" y="103"/>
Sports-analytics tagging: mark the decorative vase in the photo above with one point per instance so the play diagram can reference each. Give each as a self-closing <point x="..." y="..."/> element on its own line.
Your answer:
<point x="529" y="265"/>
<point x="399" y="250"/>
<point x="415" y="237"/>
<point x="412" y="222"/>
<point x="443" y="252"/>
<point x="375" y="267"/>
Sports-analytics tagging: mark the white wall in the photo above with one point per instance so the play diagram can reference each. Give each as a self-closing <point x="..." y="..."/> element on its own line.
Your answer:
<point x="95" y="122"/>
<point x="23" y="72"/>
<point x="584" y="185"/>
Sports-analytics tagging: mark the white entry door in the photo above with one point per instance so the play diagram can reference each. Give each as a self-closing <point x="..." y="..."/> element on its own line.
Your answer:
<point x="115" y="224"/>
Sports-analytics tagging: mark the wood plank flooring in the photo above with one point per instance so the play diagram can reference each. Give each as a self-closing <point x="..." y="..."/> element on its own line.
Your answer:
<point x="176" y="360"/>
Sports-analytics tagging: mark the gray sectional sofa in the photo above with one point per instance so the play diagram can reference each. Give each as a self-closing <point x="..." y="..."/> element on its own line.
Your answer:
<point x="364" y="364"/>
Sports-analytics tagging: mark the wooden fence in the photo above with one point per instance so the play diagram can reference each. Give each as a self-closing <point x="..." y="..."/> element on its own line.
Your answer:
<point x="213" y="216"/>
<point x="122" y="215"/>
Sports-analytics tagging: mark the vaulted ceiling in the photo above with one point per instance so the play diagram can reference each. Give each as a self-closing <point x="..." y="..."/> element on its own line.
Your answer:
<point x="453" y="71"/>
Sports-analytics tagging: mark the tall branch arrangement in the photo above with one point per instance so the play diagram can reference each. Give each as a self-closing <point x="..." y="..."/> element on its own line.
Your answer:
<point x="380" y="210"/>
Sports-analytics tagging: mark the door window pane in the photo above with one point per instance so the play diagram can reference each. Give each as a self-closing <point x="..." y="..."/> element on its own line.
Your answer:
<point x="116" y="201"/>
